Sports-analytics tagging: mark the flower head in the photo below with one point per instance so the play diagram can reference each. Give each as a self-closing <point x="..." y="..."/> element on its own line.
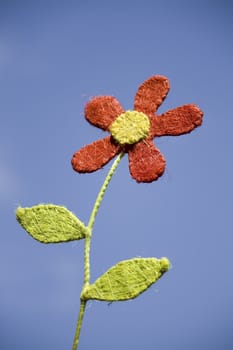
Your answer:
<point x="133" y="131"/>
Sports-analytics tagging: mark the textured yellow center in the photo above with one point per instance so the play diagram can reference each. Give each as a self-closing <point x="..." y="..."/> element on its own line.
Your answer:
<point x="130" y="127"/>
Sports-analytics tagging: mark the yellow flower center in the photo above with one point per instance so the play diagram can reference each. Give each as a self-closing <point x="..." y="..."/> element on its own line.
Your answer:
<point x="130" y="127"/>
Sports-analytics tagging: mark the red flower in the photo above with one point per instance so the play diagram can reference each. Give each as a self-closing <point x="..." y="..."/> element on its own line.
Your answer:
<point x="132" y="132"/>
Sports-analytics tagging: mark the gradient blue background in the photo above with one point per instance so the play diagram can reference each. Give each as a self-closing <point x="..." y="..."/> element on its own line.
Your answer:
<point x="55" y="55"/>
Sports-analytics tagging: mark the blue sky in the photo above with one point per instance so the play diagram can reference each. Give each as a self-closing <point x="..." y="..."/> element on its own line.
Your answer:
<point x="55" y="55"/>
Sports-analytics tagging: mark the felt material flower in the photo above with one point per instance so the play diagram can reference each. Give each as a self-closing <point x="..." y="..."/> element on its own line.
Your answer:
<point x="133" y="131"/>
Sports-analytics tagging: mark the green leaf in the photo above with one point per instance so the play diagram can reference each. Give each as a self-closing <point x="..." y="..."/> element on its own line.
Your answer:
<point x="50" y="223"/>
<point x="127" y="279"/>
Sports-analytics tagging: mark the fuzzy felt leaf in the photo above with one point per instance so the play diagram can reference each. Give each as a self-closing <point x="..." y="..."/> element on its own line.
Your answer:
<point x="127" y="279"/>
<point x="49" y="223"/>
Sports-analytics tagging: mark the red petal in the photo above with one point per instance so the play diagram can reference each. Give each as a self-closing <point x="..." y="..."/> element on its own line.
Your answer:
<point x="151" y="94"/>
<point x="102" y="111"/>
<point x="94" y="156"/>
<point x="178" y="121"/>
<point x="146" y="163"/>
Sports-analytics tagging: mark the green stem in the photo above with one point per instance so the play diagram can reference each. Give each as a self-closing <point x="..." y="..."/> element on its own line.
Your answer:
<point x="102" y="190"/>
<point x="79" y="324"/>
<point x="88" y="244"/>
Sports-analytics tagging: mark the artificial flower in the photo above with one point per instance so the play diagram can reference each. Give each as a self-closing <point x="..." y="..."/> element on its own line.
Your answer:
<point x="133" y="131"/>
